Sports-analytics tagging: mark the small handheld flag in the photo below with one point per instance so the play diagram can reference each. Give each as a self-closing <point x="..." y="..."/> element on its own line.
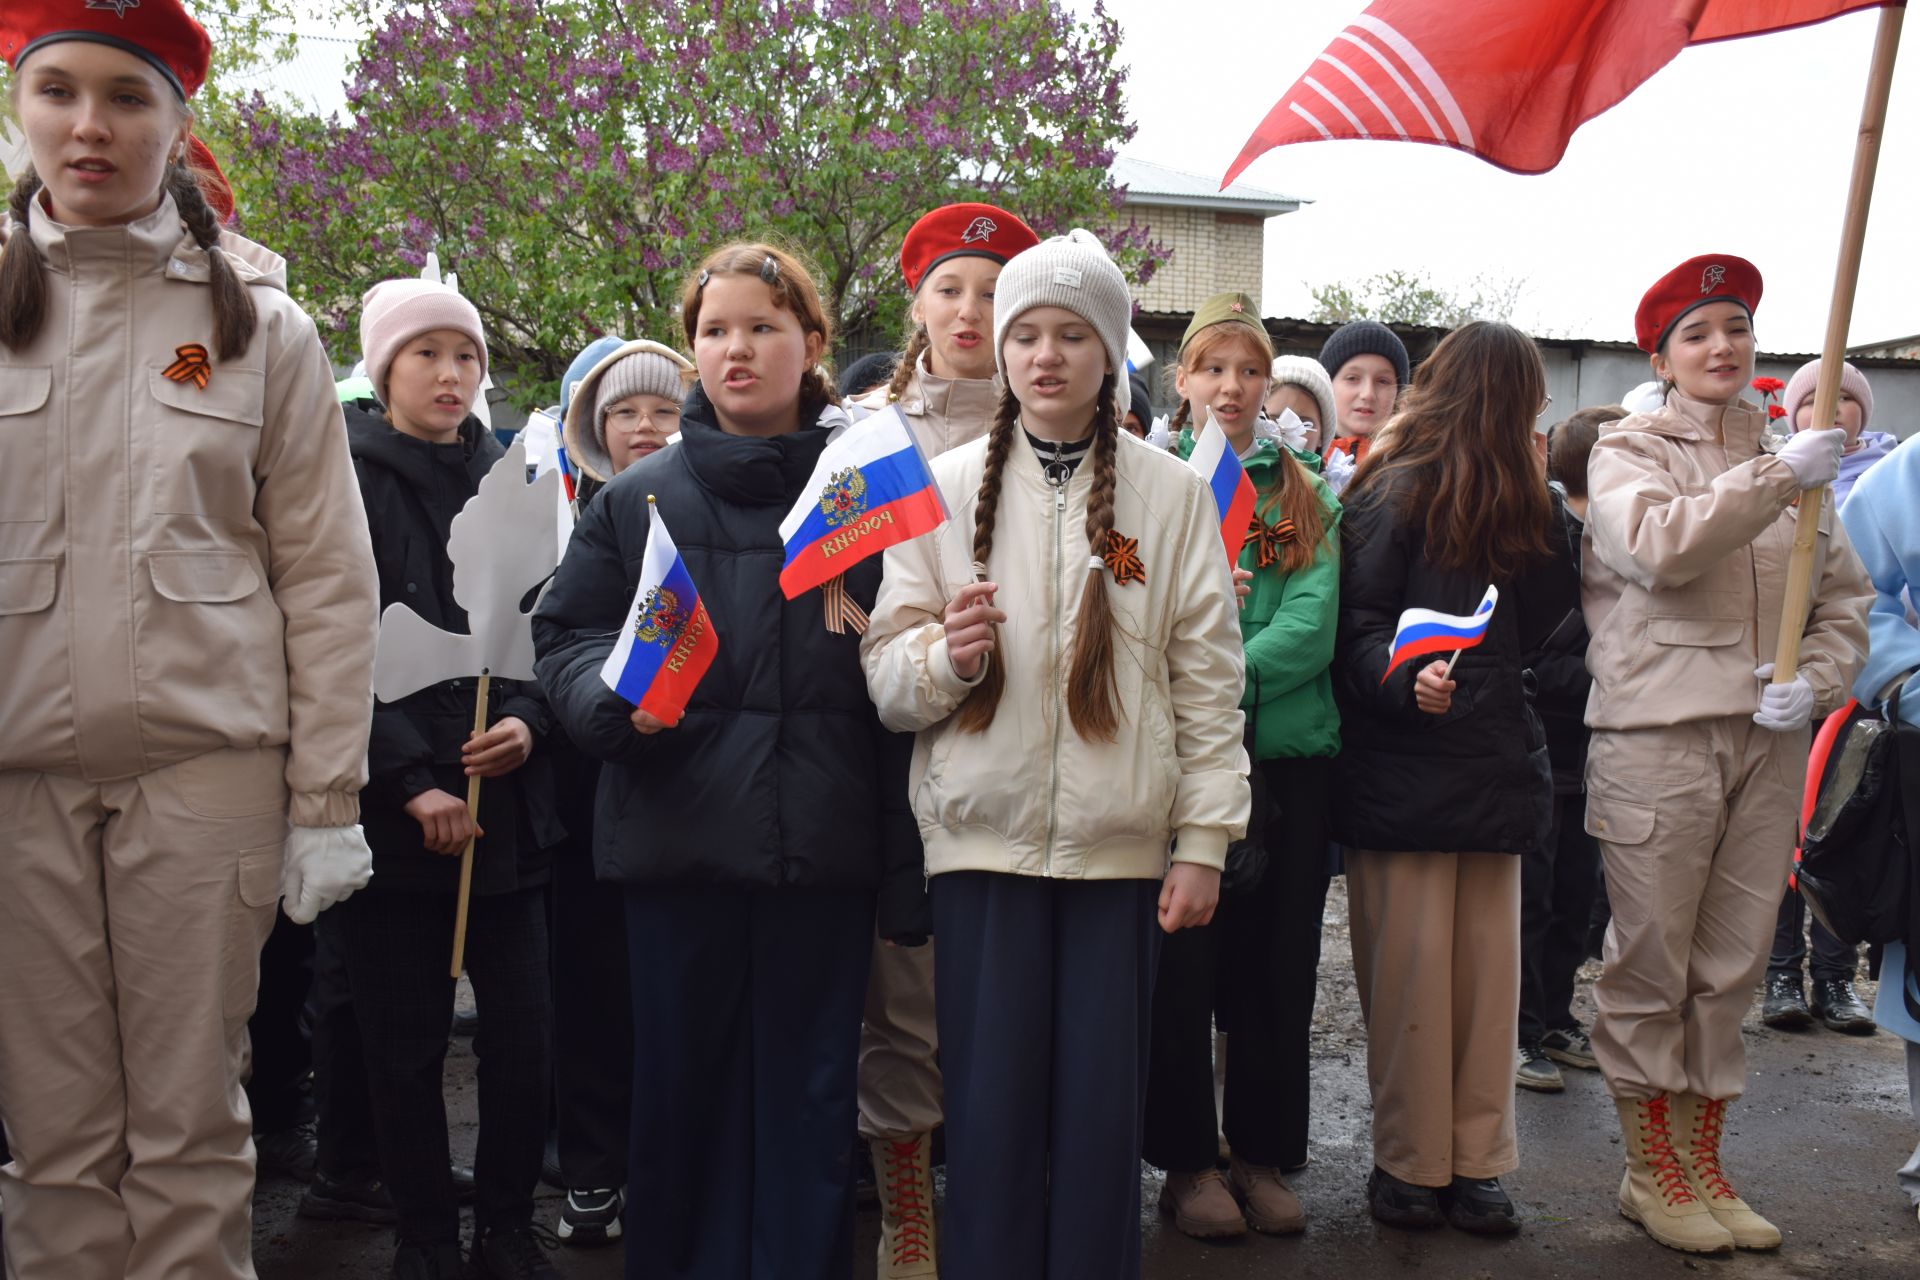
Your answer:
<point x="1233" y="492"/>
<point x="870" y="489"/>
<point x="668" y="641"/>
<point x="1425" y="631"/>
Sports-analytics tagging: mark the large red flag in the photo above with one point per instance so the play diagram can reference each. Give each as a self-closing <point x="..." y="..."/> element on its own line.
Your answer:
<point x="1508" y="80"/>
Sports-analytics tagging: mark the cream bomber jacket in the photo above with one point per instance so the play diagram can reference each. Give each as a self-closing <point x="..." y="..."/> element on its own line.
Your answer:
<point x="1689" y="530"/>
<point x="183" y="567"/>
<point x="1028" y="796"/>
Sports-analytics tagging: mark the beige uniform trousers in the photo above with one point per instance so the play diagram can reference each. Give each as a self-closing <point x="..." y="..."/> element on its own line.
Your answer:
<point x="1436" y="953"/>
<point x="1696" y="827"/>
<point x="899" y="1079"/>
<point x="130" y="936"/>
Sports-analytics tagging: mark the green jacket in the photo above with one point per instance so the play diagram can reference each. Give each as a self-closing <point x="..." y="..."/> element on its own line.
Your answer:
<point x="1287" y="624"/>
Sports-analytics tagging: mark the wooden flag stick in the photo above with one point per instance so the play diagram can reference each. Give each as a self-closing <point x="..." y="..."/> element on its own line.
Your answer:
<point x="1826" y="395"/>
<point x="473" y="817"/>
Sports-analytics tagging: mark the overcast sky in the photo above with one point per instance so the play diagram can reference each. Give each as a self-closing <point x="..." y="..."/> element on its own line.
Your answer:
<point x="1742" y="147"/>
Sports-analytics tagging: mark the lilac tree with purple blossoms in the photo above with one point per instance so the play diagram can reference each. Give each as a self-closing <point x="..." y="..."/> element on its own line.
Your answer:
<point x="572" y="158"/>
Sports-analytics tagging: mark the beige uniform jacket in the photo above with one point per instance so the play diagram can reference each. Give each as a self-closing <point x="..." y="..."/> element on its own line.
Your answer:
<point x="942" y="413"/>
<point x="1028" y="796"/>
<point x="182" y="567"/>
<point x="1684" y="570"/>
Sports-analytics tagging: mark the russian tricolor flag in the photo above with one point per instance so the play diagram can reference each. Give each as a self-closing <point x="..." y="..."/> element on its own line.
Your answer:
<point x="668" y="642"/>
<point x="1425" y="631"/>
<point x="870" y="489"/>
<point x="1233" y="492"/>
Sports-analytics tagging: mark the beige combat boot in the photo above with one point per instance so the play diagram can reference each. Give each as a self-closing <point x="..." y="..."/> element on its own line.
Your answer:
<point x="1699" y="1122"/>
<point x="903" y="1172"/>
<point x="1655" y="1191"/>
<point x="1201" y="1205"/>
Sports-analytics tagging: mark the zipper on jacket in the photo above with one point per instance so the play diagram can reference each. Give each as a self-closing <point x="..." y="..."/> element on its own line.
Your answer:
<point x="1053" y="766"/>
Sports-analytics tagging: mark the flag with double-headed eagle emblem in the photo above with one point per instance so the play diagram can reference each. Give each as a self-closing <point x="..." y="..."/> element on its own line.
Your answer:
<point x="668" y="641"/>
<point x="870" y="489"/>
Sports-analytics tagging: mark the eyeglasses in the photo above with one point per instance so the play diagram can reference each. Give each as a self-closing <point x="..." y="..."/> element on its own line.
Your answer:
<point x="664" y="418"/>
<point x="1544" y="406"/>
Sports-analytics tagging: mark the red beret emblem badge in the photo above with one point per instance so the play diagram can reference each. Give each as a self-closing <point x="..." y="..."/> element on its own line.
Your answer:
<point x="1711" y="278"/>
<point x="978" y="231"/>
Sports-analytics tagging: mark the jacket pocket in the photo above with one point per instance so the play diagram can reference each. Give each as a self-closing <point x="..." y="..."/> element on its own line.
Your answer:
<point x="205" y="442"/>
<point x="27" y="586"/>
<point x="203" y="577"/>
<point x="1702" y="633"/>
<point x="24" y="391"/>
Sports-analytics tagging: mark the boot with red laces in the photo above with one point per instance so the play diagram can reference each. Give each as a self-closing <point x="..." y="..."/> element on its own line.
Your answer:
<point x="903" y="1170"/>
<point x="1656" y="1192"/>
<point x="1701" y="1121"/>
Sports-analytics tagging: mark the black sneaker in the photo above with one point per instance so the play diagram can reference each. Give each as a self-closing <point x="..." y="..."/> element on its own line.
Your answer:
<point x="1570" y="1047"/>
<point x="428" y="1262"/>
<point x="359" y="1197"/>
<point x="1783" y="1004"/>
<point x="1402" y="1204"/>
<point x="1836" y="1004"/>
<point x="1535" y="1072"/>
<point x="287" y="1153"/>
<point x="1479" y="1206"/>
<point x="591" y="1218"/>
<point x="517" y="1253"/>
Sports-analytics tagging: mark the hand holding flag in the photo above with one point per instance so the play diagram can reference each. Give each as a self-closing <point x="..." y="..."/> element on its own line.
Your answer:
<point x="1227" y="480"/>
<point x="668" y="641"/>
<point x="1425" y="631"/>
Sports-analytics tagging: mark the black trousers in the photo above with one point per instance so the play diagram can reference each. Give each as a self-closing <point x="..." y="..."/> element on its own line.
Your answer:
<point x="592" y="1022"/>
<point x="282" y="1048"/>
<point x="397" y="945"/>
<point x="343" y="1110"/>
<point x="1043" y="990"/>
<point x="1255" y="969"/>
<point x="1832" y="958"/>
<point x="1556" y="907"/>
<point x="746" y="1019"/>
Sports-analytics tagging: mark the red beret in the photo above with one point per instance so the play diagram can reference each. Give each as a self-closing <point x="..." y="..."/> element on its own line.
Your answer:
<point x="962" y="231"/>
<point x="159" y="31"/>
<point x="1713" y="277"/>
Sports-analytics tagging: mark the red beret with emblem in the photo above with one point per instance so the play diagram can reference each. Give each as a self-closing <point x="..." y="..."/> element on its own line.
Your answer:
<point x="962" y="231"/>
<point x="159" y="31"/>
<point x="1713" y="277"/>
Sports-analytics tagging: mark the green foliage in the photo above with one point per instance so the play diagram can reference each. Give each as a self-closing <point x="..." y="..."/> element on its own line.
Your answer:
<point x="1412" y="297"/>
<point x="572" y="159"/>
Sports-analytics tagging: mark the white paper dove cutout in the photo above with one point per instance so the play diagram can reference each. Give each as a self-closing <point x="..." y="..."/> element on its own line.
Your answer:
<point x="501" y="550"/>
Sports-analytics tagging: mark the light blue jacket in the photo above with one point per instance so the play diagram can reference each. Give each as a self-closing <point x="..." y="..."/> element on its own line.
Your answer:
<point x="1882" y="516"/>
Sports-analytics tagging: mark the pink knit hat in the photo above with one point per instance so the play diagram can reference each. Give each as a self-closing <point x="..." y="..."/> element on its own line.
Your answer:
<point x="394" y="312"/>
<point x="1801" y="385"/>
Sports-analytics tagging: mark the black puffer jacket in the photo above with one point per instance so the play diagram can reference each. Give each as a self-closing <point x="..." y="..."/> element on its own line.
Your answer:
<point x="1558" y="664"/>
<point x="780" y="775"/>
<point x="412" y="491"/>
<point x="1476" y="779"/>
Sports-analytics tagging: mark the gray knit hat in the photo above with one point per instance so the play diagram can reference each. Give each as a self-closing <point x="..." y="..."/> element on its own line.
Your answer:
<point x="1071" y="271"/>
<point x="642" y="373"/>
<point x="630" y="369"/>
<point x="1311" y="377"/>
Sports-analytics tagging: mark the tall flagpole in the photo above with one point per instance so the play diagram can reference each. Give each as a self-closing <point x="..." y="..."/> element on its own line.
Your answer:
<point x="1826" y="395"/>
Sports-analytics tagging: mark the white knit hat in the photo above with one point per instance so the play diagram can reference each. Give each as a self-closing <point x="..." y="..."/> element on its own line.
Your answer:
<point x="1311" y="377"/>
<point x="1071" y="271"/>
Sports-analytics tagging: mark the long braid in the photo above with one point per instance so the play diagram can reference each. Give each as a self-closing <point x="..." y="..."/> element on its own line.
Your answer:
<point x="23" y="279"/>
<point x="1092" y="693"/>
<point x="976" y="713"/>
<point x="234" y="317"/>
<point x="909" y="361"/>
<point x="1179" y="419"/>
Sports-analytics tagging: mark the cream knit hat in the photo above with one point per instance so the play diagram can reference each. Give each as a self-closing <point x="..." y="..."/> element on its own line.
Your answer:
<point x="1071" y="271"/>
<point x="1311" y="377"/>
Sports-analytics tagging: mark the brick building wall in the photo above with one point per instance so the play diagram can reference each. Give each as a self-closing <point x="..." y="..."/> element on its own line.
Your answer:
<point x="1211" y="253"/>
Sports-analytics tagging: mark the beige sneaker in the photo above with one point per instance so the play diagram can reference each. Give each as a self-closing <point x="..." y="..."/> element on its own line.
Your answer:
<point x="1271" y="1205"/>
<point x="1201" y="1205"/>
<point x="1700" y="1122"/>
<point x="1655" y="1192"/>
<point x="903" y="1174"/>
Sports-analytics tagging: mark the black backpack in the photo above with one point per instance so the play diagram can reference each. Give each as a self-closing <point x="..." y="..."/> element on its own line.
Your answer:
<point x="1857" y="869"/>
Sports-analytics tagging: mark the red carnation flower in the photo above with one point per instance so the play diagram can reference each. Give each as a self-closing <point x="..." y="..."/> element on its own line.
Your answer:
<point x="1775" y="411"/>
<point x="1769" y="386"/>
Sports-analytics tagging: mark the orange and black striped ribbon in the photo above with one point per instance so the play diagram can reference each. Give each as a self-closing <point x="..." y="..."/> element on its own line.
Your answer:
<point x="192" y="365"/>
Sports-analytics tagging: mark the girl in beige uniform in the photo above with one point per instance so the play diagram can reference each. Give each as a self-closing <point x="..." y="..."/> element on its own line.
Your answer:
<point x="187" y="618"/>
<point x="1694" y="775"/>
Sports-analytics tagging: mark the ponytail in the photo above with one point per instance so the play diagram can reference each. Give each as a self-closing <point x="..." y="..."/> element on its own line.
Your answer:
<point x="23" y="280"/>
<point x="234" y="318"/>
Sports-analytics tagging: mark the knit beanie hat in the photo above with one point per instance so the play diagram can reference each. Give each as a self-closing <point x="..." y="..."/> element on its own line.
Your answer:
<point x="1071" y="271"/>
<point x="1800" y="388"/>
<point x="1227" y="308"/>
<point x="394" y="312"/>
<point x="629" y="369"/>
<point x="1138" y="398"/>
<point x="1306" y="373"/>
<point x="1361" y="338"/>
<point x="871" y="370"/>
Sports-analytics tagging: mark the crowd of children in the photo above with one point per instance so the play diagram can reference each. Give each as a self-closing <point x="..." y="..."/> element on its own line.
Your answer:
<point x="1064" y="735"/>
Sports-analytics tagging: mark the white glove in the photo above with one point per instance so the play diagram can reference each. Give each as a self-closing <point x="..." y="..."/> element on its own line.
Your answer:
<point x="323" y="866"/>
<point x="1814" y="456"/>
<point x="1339" y="471"/>
<point x="1783" y="707"/>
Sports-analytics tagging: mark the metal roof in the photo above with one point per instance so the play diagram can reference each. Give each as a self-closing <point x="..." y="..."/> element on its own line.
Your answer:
<point x="1158" y="184"/>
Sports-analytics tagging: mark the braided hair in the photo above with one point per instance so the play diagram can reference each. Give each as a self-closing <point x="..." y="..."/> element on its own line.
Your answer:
<point x="23" y="281"/>
<point x="909" y="361"/>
